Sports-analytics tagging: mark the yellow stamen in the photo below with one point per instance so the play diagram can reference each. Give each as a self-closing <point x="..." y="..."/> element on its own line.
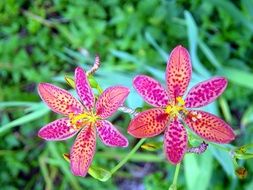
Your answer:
<point x="180" y="100"/>
<point x="174" y="108"/>
<point x="79" y="120"/>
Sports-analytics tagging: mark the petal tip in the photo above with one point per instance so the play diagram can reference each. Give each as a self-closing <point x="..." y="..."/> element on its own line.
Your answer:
<point x="136" y="78"/>
<point x="231" y="137"/>
<point x="130" y="131"/>
<point x="126" y="144"/>
<point x="41" y="134"/>
<point x="79" y="70"/>
<point x="180" y="48"/>
<point x="77" y="173"/>
<point x="42" y="86"/>
<point x="125" y="89"/>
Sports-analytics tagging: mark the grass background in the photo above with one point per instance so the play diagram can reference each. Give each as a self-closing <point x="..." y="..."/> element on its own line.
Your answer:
<point x="41" y="41"/>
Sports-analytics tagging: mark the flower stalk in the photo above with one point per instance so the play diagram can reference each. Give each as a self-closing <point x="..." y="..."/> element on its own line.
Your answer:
<point x="123" y="161"/>
<point x="174" y="183"/>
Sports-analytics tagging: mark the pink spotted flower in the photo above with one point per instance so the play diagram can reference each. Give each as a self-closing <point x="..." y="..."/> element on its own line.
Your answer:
<point x="86" y="119"/>
<point x="170" y="108"/>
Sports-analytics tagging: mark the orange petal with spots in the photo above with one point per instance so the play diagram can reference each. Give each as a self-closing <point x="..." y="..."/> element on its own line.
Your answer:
<point x="58" y="99"/>
<point x="178" y="71"/>
<point x="209" y="127"/>
<point x="149" y="123"/>
<point x="110" y="100"/>
<point x="82" y="151"/>
<point x="175" y="142"/>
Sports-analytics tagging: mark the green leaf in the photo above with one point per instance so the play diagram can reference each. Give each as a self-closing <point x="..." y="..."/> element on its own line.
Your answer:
<point x="193" y="41"/>
<point x="242" y="78"/>
<point x="70" y="81"/>
<point x="209" y="54"/>
<point x="99" y="173"/>
<point x="224" y="159"/>
<point x="25" y="119"/>
<point x="247" y="117"/>
<point x="225" y="109"/>
<point x="198" y="167"/>
<point x="17" y="104"/>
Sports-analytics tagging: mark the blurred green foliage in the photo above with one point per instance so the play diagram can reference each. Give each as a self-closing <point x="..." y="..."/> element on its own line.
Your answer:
<point x="43" y="40"/>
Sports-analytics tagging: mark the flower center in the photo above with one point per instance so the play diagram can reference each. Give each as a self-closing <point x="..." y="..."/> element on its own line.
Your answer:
<point x="176" y="107"/>
<point x="79" y="120"/>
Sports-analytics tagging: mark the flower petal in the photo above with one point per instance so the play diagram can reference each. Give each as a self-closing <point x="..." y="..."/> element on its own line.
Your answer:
<point x="57" y="130"/>
<point x="175" y="141"/>
<point x="178" y="71"/>
<point x="83" y="89"/>
<point x="58" y="99"/>
<point x="148" y="123"/>
<point x="110" y="100"/>
<point x="83" y="150"/>
<point x="209" y="127"/>
<point x="205" y="92"/>
<point x="109" y="135"/>
<point x="151" y="90"/>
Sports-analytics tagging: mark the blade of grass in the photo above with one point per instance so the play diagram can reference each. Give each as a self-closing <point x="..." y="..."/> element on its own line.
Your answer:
<point x="234" y="12"/>
<point x="209" y="54"/>
<point x="65" y="169"/>
<point x="125" y="56"/>
<point x="193" y="42"/>
<point x="152" y="41"/>
<point x="25" y="119"/>
<point x="225" y="109"/>
<point x="17" y="104"/>
<point x="45" y="173"/>
<point x="247" y="117"/>
<point x="242" y="78"/>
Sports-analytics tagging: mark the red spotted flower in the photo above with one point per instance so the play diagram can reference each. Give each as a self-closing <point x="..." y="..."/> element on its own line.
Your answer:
<point x="170" y="108"/>
<point x="83" y="118"/>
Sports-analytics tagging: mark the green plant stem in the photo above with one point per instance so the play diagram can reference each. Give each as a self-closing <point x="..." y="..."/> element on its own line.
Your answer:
<point x="220" y="147"/>
<point x="174" y="183"/>
<point x="176" y="174"/>
<point x="128" y="156"/>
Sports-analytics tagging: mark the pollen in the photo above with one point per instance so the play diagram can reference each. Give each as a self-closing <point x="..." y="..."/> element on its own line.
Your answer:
<point x="78" y="121"/>
<point x="175" y="108"/>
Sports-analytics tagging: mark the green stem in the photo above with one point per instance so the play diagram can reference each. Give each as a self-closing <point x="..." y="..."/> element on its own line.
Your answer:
<point x="128" y="156"/>
<point x="174" y="183"/>
<point x="220" y="147"/>
<point x="99" y="89"/>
